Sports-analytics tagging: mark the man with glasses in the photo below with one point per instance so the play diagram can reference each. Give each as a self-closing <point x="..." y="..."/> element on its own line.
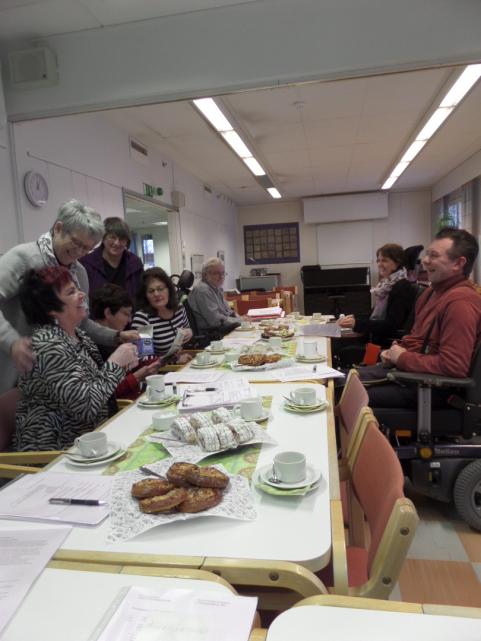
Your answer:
<point x="74" y="233"/>
<point x="447" y="328"/>
<point x="207" y="300"/>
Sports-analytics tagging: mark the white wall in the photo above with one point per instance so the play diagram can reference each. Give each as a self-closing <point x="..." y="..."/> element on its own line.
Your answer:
<point x="408" y="224"/>
<point x="8" y="219"/>
<point x="463" y="173"/>
<point x="87" y="157"/>
<point x="250" y="45"/>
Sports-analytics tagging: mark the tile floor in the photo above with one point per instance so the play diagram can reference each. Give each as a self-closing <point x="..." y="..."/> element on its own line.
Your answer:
<point x="444" y="561"/>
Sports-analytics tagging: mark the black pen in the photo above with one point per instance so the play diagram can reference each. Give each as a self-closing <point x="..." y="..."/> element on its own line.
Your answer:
<point x="58" y="501"/>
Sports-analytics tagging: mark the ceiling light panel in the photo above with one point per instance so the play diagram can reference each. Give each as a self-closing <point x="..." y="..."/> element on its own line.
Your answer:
<point x="233" y="139"/>
<point x="433" y="124"/>
<point x="274" y="192"/>
<point x="413" y="150"/>
<point x="254" y="166"/>
<point x="214" y="115"/>
<point x="463" y="84"/>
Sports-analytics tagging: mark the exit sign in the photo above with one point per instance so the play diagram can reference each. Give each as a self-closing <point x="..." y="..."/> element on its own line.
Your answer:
<point x="149" y="190"/>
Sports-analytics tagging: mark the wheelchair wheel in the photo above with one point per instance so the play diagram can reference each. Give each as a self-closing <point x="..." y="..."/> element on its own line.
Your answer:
<point x="467" y="494"/>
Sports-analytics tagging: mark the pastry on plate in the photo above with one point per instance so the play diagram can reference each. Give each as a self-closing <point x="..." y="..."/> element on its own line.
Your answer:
<point x="178" y="473"/>
<point x="208" y="477"/>
<point x="199" y="499"/>
<point x="151" y="487"/>
<point x="164" y="503"/>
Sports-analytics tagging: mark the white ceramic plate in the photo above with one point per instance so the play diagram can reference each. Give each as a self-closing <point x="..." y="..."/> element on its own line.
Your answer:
<point x="216" y="351"/>
<point x="312" y="476"/>
<point x="304" y="409"/>
<point x="90" y="463"/>
<point x="263" y="417"/>
<point x="310" y="359"/>
<point x="167" y="400"/>
<point x="244" y="329"/>
<point x="75" y="455"/>
<point x="213" y="363"/>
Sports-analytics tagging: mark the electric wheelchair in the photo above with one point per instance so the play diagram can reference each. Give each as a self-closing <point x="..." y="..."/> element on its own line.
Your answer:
<point x="440" y="449"/>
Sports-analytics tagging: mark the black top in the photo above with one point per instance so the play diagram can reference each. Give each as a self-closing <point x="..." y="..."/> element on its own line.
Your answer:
<point x="116" y="275"/>
<point x="400" y="305"/>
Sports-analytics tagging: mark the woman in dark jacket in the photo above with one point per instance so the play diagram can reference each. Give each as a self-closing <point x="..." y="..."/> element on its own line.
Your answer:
<point x="394" y="296"/>
<point x="112" y="262"/>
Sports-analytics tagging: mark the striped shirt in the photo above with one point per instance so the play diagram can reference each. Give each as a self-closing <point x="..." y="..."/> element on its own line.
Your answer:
<point x="164" y="330"/>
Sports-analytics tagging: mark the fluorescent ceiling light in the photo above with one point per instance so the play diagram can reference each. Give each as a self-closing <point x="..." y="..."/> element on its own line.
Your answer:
<point x="433" y="124"/>
<point x="462" y="85"/>
<point x="254" y="166"/>
<point x="389" y="182"/>
<point x="274" y="192"/>
<point x="413" y="150"/>
<point x="399" y="169"/>
<point x="235" y="141"/>
<point x="213" y="114"/>
<point x="161" y="223"/>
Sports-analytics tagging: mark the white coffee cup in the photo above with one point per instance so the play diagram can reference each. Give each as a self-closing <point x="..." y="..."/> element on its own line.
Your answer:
<point x="163" y="420"/>
<point x="155" y="387"/>
<point x="217" y="346"/>
<point x="249" y="409"/>
<point x="203" y="358"/>
<point x="231" y="356"/>
<point x="275" y="342"/>
<point x="317" y="316"/>
<point x="246" y="325"/>
<point x="290" y="467"/>
<point x="309" y="349"/>
<point x="92" y="444"/>
<point x="304" y="396"/>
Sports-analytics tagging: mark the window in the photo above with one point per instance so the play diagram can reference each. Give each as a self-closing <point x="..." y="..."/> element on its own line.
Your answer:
<point x="454" y="209"/>
<point x="148" y="251"/>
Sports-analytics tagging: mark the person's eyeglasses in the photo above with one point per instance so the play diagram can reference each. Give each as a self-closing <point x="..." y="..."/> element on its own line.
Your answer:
<point x="431" y="254"/>
<point x="113" y="238"/>
<point x="79" y="244"/>
<point x="218" y="273"/>
<point x="157" y="290"/>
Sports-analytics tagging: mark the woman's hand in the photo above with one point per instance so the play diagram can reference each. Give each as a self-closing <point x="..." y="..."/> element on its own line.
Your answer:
<point x="126" y="356"/>
<point x="183" y="358"/>
<point x="129" y="336"/>
<point x="348" y="321"/>
<point x="187" y="335"/>
<point x="147" y="370"/>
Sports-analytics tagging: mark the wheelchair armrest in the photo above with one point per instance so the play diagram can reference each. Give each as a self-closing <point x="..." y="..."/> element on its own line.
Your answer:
<point x="433" y="380"/>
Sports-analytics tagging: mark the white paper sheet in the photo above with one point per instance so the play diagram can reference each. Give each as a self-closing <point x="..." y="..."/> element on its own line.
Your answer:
<point x="266" y="311"/>
<point x="303" y="373"/>
<point x="228" y="392"/>
<point x="193" y="376"/>
<point x="180" y="615"/>
<point x="321" y="329"/>
<point x="24" y="555"/>
<point x="27" y="498"/>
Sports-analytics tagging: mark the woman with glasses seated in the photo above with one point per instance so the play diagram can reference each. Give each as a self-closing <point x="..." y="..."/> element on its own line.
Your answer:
<point x="67" y="391"/>
<point x="112" y="262"/>
<point x="158" y="306"/>
<point x="207" y="300"/>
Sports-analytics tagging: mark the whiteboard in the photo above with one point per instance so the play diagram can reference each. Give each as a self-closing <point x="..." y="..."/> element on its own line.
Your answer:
<point x="349" y="243"/>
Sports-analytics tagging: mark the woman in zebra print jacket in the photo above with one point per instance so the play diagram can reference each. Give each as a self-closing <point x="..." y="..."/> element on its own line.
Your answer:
<point x="67" y="391"/>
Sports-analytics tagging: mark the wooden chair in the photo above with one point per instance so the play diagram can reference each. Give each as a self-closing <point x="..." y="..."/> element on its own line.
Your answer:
<point x="377" y="481"/>
<point x="13" y="464"/>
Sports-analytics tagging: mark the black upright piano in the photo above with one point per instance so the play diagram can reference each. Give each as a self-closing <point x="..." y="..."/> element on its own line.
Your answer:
<point x="336" y="291"/>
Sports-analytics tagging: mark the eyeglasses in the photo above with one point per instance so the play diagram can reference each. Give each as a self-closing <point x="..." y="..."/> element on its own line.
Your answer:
<point x="82" y="247"/>
<point x="215" y="273"/>
<point x="157" y="290"/>
<point x="113" y="239"/>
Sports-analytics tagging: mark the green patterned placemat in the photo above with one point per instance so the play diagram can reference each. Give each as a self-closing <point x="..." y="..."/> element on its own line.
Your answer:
<point x="143" y="452"/>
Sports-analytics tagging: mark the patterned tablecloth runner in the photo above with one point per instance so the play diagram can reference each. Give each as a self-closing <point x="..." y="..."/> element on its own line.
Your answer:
<point x="143" y="452"/>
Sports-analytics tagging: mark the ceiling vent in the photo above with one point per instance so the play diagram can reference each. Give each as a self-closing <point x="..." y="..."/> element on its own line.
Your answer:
<point x="138" y="151"/>
<point x="33" y="68"/>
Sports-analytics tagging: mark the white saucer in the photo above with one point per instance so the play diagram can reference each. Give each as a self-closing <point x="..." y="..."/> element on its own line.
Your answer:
<point x="263" y="417"/>
<point x="213" y="363"/>
<point x="167" y="400"/>
<point x="74" y="455"/>
<point x="244" y="329"/>
<point x="84" y="462"/>
<point x="305" y="409"/>
<point x="312" y="476"/>
<point x="216" y="351"/>
<point x="310" y="359"/>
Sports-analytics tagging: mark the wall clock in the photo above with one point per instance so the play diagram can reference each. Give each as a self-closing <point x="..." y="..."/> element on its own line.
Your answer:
<point x="36" y="188"/>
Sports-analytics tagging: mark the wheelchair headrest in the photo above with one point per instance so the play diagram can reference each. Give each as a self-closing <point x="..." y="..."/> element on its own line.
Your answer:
<point x="186" y="280"/>
<point x="411" y="256"/>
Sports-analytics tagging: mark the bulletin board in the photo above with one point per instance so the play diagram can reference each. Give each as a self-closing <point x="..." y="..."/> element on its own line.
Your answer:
<point x="276" y="243"/>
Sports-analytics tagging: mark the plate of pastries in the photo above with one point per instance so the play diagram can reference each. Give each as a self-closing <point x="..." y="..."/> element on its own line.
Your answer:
<point x="282" y="331"/>
<point x="186" y="488"/>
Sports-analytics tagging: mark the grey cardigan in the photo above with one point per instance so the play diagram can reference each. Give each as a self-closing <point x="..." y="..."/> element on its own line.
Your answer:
<point x="210" y="307"/>
<point x="13" y="323"/>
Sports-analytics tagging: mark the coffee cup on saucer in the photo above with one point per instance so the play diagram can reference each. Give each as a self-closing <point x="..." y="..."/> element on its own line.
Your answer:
<point x="246" y="325"/>
<point x="155" y="387"/>
<point x="217" y="346"/>
<point x="250" y="409"/>
<point x="309" y="349"/>
<point x="92" y="444"/>
<point x="304" y="396"/>
<point x="162" y="421"/>
<point x="203" y="358"/>
<point x="231" y="356"/>
<point x="289" y="467"/>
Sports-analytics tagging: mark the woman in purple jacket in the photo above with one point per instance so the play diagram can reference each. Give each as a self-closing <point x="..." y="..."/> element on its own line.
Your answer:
<point x="112" y="262"/>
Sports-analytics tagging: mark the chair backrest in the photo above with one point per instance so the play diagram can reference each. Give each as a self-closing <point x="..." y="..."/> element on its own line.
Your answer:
<point x="8" y="410"/>
<point x="354" y="398"/>
<point x="377" y="480"/>
<point x="191" y="317"/>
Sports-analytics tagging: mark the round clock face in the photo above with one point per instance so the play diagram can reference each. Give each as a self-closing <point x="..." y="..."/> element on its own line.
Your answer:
<point x="36" y="188"/>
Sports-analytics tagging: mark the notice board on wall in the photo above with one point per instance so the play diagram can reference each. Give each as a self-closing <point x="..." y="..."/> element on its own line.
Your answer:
<point x="276" y="243"/>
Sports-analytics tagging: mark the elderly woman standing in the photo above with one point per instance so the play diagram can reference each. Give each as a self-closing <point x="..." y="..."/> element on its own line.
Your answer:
<point x="207" y="300"/>
<point x="112" y="262"/>
<point x="75" y="232"/>
<point x="66" y="393"/>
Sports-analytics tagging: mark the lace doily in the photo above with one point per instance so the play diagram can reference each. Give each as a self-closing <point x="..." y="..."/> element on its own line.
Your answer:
<point x="127" y="521"/>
